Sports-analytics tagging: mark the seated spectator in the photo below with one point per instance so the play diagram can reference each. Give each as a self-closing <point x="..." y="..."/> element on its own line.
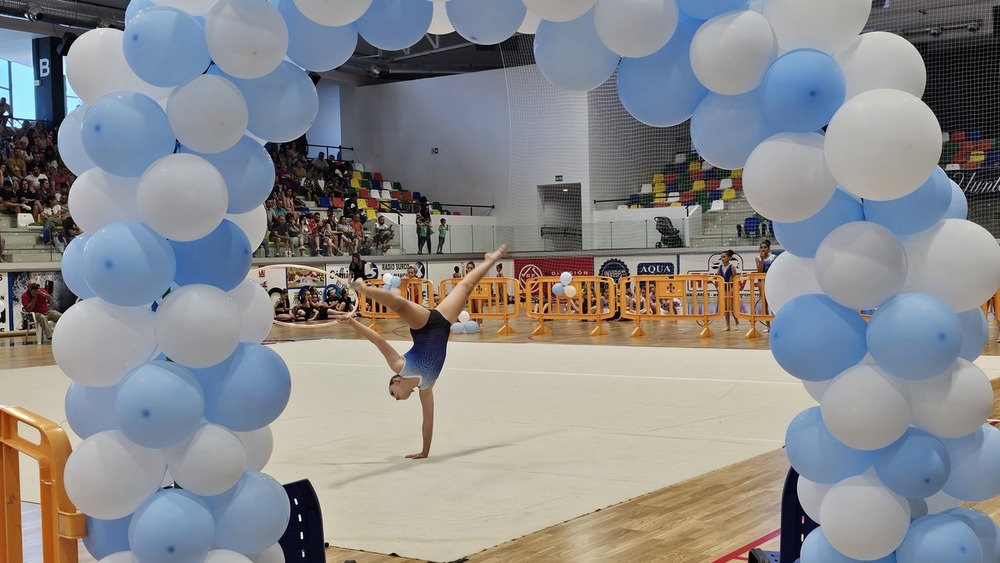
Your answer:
<point x="35" y="176"/>
<point x="383" y="235"/>
<point x="359" y="231"/>
<point x="281" y="237"/>
<point x="17" y="165"/>
<point x="51" y="217"/>
<point x="349" y="243"/>
<point x="8" y="199"/>
<point x="282" y="309"/>
<point x="36" y="301"/>
<point x="69" y="231"/>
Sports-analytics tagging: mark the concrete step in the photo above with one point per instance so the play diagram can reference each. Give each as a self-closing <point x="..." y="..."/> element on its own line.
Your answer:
<point x="20" y="256"/>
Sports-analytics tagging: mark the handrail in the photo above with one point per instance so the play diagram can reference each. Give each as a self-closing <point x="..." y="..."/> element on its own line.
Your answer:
<point x="492" y="208"/>
<point x="755" y="281"/>
<point x="62" y="524"/>
<point x="490" y="299"/>
<point x="338" y="147"/>
<point x="688" y="298"/>
<point x="588" y="302"/>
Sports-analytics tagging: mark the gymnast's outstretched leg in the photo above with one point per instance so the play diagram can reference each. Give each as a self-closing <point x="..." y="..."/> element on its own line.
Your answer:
<point x="413" y="314"/>
<point x="456" y="301"/>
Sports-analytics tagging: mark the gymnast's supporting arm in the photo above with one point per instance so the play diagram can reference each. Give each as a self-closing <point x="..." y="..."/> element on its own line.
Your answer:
<point x="427" y="430"/>
<point x="392" y="357"/>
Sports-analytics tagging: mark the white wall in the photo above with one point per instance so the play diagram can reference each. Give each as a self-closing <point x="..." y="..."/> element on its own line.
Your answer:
<point x="326" y="130"/>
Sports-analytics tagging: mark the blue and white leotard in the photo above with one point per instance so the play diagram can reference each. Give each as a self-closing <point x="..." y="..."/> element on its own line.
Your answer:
<point x="430" y="346"/>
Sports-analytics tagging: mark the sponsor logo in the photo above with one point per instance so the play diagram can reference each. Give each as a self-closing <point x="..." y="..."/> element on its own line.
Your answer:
<point x="529" y="271"/>
<point x="655" y="269"/>
<point x="614" y="269"/>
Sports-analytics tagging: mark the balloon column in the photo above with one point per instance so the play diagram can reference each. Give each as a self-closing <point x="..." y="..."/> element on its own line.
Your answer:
<point x="171" y="383"/>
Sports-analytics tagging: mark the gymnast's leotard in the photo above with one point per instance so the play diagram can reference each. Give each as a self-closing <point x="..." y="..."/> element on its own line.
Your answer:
<point x="430" y="345"/>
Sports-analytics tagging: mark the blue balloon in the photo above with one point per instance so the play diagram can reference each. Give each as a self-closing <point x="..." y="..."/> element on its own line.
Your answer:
<point x="486" y="22"/>
<point x="72" y="267"/>
<point x="817" y="455"/>
<point x="975" y="333"/>
<point x="558" y="289"/>
<point x="974" y="459"/>
<point x="802" y="90"/>
<point x="914" y="336"/>
<point x="726" y="129"/>
<point x="472" y="327"/>
<point x="248" y="390"/>
<point x="817" y="549"/>
<point x="313" y="46"/>
<point x="105" y="537"/>
<point x="802" y="238"/>
<point x="89" y="410"/>
<point x="165" y="46"/>
<point x="457" y="328"/>
<point x="916" y="211"/>
<point x="159" y="404"/>
<point x="984" y="527"/>
<point x="248" y="171"/>
<point x="814" y="338"/>
<point x="125" y="132"/>
<point x="939" y="537"/>
<point x="707" y="9"/>
<point x="283" y="104"/>
<point x="914" y="466"/>
<point x="571" y="55"/>
<point x="393" y="25"/>
<point x="661" y="90"/>
<point x="959" y="206"/>
<point x="127" y="264"/>
<point x="221" y="259"/>
<point x="252" y="515"/>
<point x="133" y="9"/>
<point x="172" y="527"/>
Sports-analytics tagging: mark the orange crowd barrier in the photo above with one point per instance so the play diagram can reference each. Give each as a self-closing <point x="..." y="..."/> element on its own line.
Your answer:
<point x="756" y="301"/>
<point x="595" y="300"/>
<point x="683" y="297"/>
<point x="62" y="524"/>
<point x="492" y="298"/>
<point x="417" y="290"/>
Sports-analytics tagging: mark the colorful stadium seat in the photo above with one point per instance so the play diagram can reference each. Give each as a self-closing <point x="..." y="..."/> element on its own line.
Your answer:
<point x="698" y="186"/>
<point x="728" y="194"/>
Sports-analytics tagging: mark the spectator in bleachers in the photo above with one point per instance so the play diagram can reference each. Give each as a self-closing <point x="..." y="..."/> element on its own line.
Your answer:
<point x="8" y="199"/>
<point x="281" y="237"/>
<point x="383" y="235"/>
<point x="329" y="240"/>
<point x="51" y="218"/>
<point x="35" y="176"/>
<point x="359" y="231"/>
<point x="320" y="163"/>
<point x="27" y="196"/>
<point x="423" y="234"/>
<point x="347" y="239"/>
<point x="70" y="230"/>
<point x="6" y="113"/>
<point x="16" y="165"/>
<point x="442" y="233"/>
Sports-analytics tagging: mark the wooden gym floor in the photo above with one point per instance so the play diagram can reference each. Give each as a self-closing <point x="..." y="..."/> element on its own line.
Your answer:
<point x="709" y="519"/>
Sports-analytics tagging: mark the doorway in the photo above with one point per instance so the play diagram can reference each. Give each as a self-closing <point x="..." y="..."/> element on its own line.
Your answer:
<point x="561" y="217"/>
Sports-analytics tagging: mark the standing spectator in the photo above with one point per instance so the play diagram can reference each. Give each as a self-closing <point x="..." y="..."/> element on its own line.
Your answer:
<point x="728" y="272"/>
<point x="356" y="268"/>
<point x="6" y="113"/>
<point x="36" y="301"/>
<point x="423" y="234"/>
<point x="442" y="233"/>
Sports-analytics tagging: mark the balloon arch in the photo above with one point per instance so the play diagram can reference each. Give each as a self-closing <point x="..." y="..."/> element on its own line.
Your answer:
<point x="171" y="383"/>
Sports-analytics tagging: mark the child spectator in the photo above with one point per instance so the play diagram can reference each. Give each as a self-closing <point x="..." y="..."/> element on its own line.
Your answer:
<point x="442" y="233"/>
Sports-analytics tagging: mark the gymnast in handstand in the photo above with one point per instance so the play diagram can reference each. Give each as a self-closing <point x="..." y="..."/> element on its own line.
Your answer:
<point x="430" y="328"/>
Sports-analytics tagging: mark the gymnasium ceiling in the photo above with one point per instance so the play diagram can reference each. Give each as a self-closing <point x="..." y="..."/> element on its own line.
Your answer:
<point x="917" y="20"/>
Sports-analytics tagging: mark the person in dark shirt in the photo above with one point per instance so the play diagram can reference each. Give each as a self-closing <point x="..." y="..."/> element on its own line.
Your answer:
<point x="9" y="199"/>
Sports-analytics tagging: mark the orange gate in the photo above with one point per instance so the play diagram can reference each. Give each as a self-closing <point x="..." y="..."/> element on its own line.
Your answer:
<point x="677" y="298"/>
<point x="492" y="298"/>
<point x="595" y="300"/>
<point x="417" y="290"/>
<point x="757" y="297"/>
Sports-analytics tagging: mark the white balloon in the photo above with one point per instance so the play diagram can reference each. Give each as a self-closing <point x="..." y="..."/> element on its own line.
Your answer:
<point x="253" y="223"/>
<point x="635" y="28"/>
<point x="208" y="114"/>
<point x="883" y="144"/>
<point x="786" y="178"/>
<point x="570" y="291"/>
<point x="80" y="343"/>
<point x="731" y="53"/>
<point x="182" y="197"/>
<point x="258" y="445"/>
<point x="273" y="554"/>
<point x="559" y="10"/>
<point x="120" y="557"/>
<point x="882" y="60"/>
<point x="863" y="519"/>
<point x="256" y="310"/>
<point x="246" y="38"/>
<point x="71" y="150"/>
<point x="789" y="277"/>
<point x="863" y="408"/>
<point x="96" y="66"/>
<point x="861" y="265"/>
<point x="816" y="388"/>
<point x="108" y="477"/>
<point x="333" y="13"/>
<point x="811" y="496"/>
<point x="99" y="198"/>
<point x="225" y="556"/>
<point x="209" y="463"/>
<point x="817" y="24"/>
<point x="463" y="317"/>
<point x="197" y="326"/>
<point x="953" y="404"/>
<point x="530" y="24"/>
<point x="193" y="7"/>
<point x="440" y="24"/>
<point x="956" y="261"/>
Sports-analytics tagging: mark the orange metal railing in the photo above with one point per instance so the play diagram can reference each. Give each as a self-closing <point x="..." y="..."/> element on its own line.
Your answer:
<point x="416" y="290"/>
<point x="62" y="525"/>
<point x="595" y="300"/>
<point x="755" y="300"/>
<point x="492" y="298"/>
<point x="683" y="297"/>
